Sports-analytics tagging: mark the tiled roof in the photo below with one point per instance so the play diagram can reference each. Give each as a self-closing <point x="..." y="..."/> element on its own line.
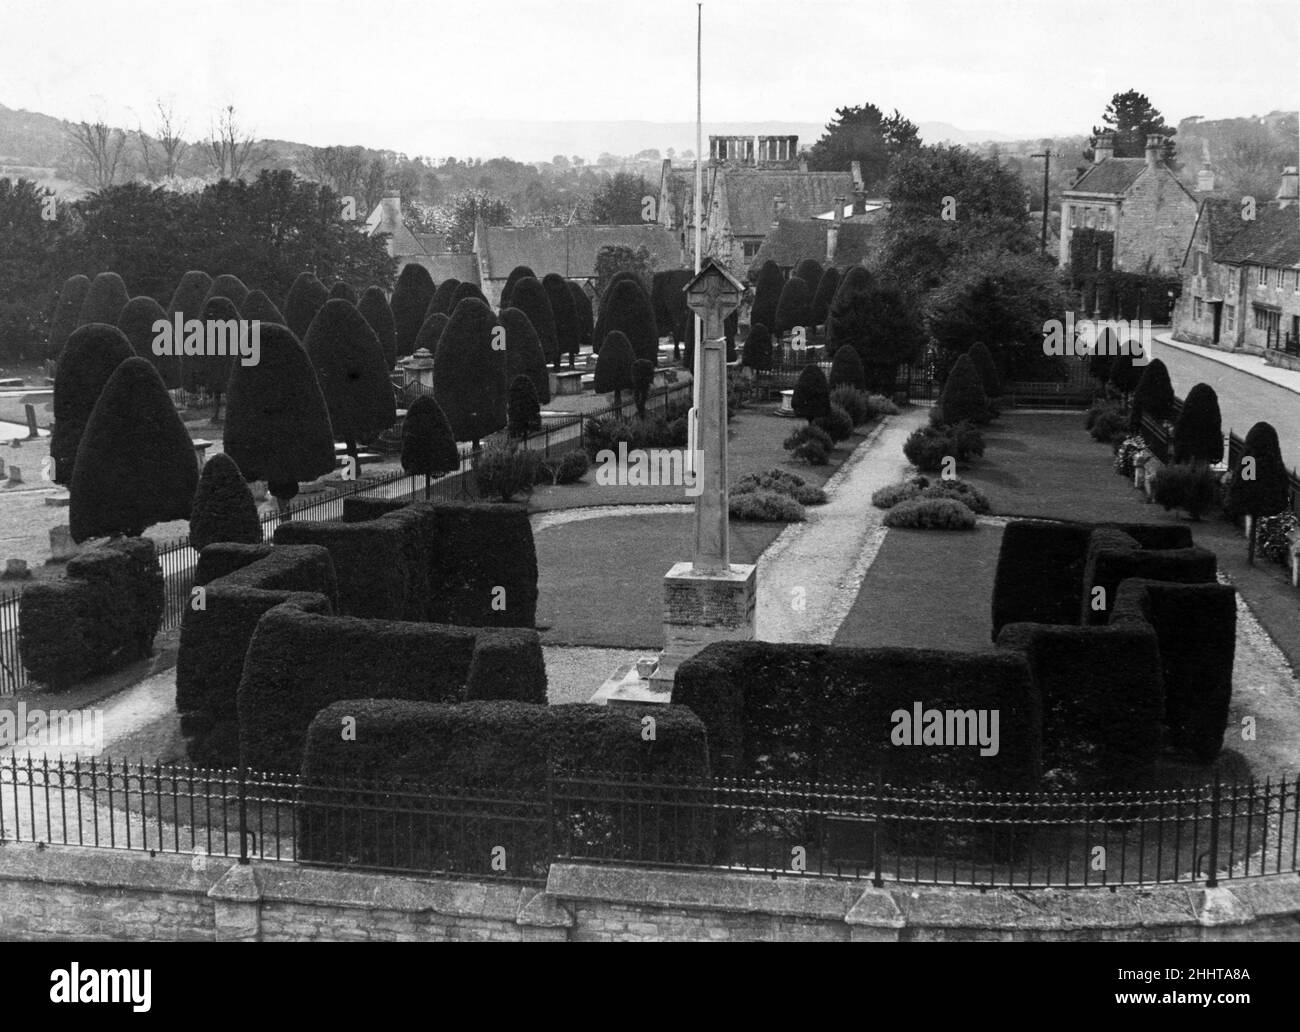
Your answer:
<point x="1272" y="239"/>
<point x="1112" y="176"/>
<point x="570" y="250"/>
<point x="796" y="239"/>
<point x="463" y="267"/>
<point x="751" y="192"/>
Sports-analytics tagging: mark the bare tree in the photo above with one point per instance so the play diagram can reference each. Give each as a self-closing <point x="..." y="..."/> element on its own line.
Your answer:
<point x="344" y="169"/>
<point x="229" y="150"/>
<point x="168" y="132"/>
<point x="101" y="147"/>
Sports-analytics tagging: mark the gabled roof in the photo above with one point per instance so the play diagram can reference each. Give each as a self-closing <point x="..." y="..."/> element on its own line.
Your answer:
<point x="1112" y="176"/>
<point x="387" y="218"/>
<point x="569" y="250"/>
<point x="793" y="240"/>
<point x="1272" y="239"/>
<point x="463" y="267"/>
<point x="750" y="192"/>
<point x="1218" y="219"/>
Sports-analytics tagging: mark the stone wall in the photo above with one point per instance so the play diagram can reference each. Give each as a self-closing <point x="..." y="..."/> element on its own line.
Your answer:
<point x="90" y="894"/>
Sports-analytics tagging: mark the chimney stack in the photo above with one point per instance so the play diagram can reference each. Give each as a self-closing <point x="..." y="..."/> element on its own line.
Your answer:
<point x="855" y="169"/>
<point x="1288" y="192"/>
<point x="1155" y="145"/>
<point x="778" y="206"/>
<point x="1105" y="148"/>
<point x="833" y="230"/>
<point x="1205" y="179"/>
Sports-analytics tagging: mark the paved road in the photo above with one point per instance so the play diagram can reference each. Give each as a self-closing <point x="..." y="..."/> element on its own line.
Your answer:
<point x="1243" y="399"/>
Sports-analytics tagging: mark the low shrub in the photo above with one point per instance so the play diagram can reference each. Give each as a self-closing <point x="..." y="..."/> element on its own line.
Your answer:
<point x="783" y="482"/>
<point x="1110" y="425"/>
<point x="838" y="423"/>
<point x="810" y="443"/>
<point x="931" y="514"/>
<point x="1192" y="488"/>
<point x="881" y="405"/>
<point x="852" y="401"/>
<point x="1126" y="452"/>
<point x="1272" y="540"/>
<point x="502" y="470"/>
<point x="958" y="490"/>
<point x="888" y="497"/>
<point x="569" y="468"/>
<point x="927" y="447"/>
<point x="765" y="506"/>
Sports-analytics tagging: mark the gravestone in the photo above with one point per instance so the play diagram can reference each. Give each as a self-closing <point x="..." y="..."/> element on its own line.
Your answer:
<point x="15" y="477"/>
<point x="16" y="569"/>
<point x="62" y="547"/>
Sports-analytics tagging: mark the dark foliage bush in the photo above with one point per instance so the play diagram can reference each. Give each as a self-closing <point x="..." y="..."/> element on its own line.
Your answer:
<point x="811" y="444"/>
<point x="1198" y="433"/>
<point x="927" y="447"/>
<point x="1192" y="488"/>
<point x="793" y="305"/>
<point x="524" y="354"/>
<point x="987" y="369"/>
<point x="566" y="315"/>
<point x="820" y="306"/>
<point x="102" y="614"/>
<point x="530" y="297"/>
<point x="187" y="298"/>
<point x="377" y="564"/>
<point x="846" y="370"/>
<point x="230" y="287"/>
<point x="1267" y="492"/>
<point x="525" y="412"/>
<point x="837" y="423"/>
<point x="67" y="312"/>
<point x="90" y="357"/>
<point x="963" y="398"/>
<point x="1114" y="555"/>
<point x="307" y="295"/>
<point x="767" y="294"/>
<point x="614" y="367"/>
<point x="1153" y="396"/>
<point x="104" y="301"/>
<point x="626" y="308"/>
<point x="135" y="462"/>
<point x="211" y="373"/>
<point x="410" y="303"/>
<point x="931" y="514"/>
<point x="503" y="470"/>
<point x="466" y="290"/>
<point x="469" y="372"/>
<point x="428" y="445"/>
<point x="958" y="490"/>
<point x="352" y="373"/>
<point x="643" y="379"/>
<point x="516" y="274"/>
<point x="852" y="401"/>
<point x="344" y="291"/>
<point x="1123" y="374"/>
<point x="223" y="508"/>
<point x="810" y="271"/>
<point x="376" y="311"/>
<point x="673" y="317"/>
<point x="443" y="301"/>
<point x="783" y="482"/>
<point x="889" y="496"/>
<point x="758" y="349"/>
<point x="569" y="468"/>
<point x="812" y="394"/>
<point x="431" y="331"/>
<point x="765" y="506"/>
<point x="137" y="324"/>
<point x="584" y="317"/>
<point x="260" y="307"/>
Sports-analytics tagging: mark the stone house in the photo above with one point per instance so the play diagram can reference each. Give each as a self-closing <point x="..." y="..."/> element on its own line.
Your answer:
<point x="427" y="249"/>
<point x="1138" y="200"/>
<point x="1241" y="276"/>
<point x="839" y="241"/>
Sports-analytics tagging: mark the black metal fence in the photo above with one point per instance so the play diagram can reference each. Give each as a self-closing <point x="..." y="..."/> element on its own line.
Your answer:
<point x="882" y="832"/>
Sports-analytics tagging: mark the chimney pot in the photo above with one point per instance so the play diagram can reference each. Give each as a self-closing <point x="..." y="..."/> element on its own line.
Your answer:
<point x="1105" y="148"/>
<point x="1288" y="192"/>
<point x="839" y="209"/>
<point x="1155" y="145"/>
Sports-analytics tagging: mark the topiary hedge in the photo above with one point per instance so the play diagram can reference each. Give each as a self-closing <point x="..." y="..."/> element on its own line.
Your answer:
<point x="1113" y="556"/>
<point x="377" y="564"/>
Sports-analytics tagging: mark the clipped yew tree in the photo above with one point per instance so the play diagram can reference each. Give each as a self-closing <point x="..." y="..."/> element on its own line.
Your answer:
<point x="104" y="300"/>
<point x="820" y="306"/>
<point x="530" y="297"/>
<point x="306" y="296"/>
<point x="793" y="306"/>
<point x="584" y="315"/>
<point x="223" y="508"/>
<point x="135" y="464"/>
<point x="1198" y="434"/>
<point x="812" y="394"/>
<point x="67" y="312"/>
<point x="410" y="303"/>
<point x="767" y="294"/>
<point x="1124" y="374"/>
<point x="516" y="274"/>
<point x="466" y="289"/>
<point x="277" y="423"/>
<point x="443" y="298"/>
<point x="375" y="309"/>
<point x="257" y="306"/>
<point x="614" y="372"/>
<point x="987" y="368"/>
<point x="758" y="349"/>
<point x="566" y="317"/>
<point x="431" y="332"/>
<point x="963" y="398"/>
<point x="629" y="312"/>
<point x="601" y="327"/>
<point x="211" y="373"/>
<point x="469" y="372"/>
<point x="352" y="373"/>
<point x="1153" y="396"/>
<point x="230" y="287"/>
<point x="524" y="412"/>
<point x="673" y="317"/>
<point x="428" y="444"/>
<point x="343" y="290"/>
<point x="187" y="298"/>
<point x="846" y="368"/>
<point x="137" y="324"/>
<point x="89" y="358"/>
<point x="810" y="271"/>
<point x="844" y="316"/>
<point x="1260" y="485"/>
<point x="524" y="355"/>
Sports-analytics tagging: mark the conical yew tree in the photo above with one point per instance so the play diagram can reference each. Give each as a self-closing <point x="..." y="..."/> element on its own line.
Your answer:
<point x="812" y="394"/>
<point x="211" y="372"/>
<point x="277" y="424"/>
<point x="516" y="274"/>
<point x="614" y="372"/>
<point x="67" y="312"/>
<point x="374" y="308"/>
<point x="188" y="296"/>
<point x="600" y="330"/>
<point x="260" y="308"/>
<point x="343" y="290"/>
<point x="223" y="507"/>
<point x="792" y="308"/>
<point x="104" y="301"/>
<point x="230" y="287"/>
<point x="465" y="290"/>
<point x="820" y="307"/>
<point x="668" y="298"/>
<point x="137" y="324"/>
<point x="524" y="355"/>
<point x="1153" y="396"/>
<point x="304" y="300"/>
<point x="1260" y="485"/>
<point x="583" y="314"/>
<point x="1124" y="374"/>
<point x="431" y="332"/>
<point x="529" y="296"/>
<point x="988" y="370"/>
<point x="89" y="358"/>
<point x="443" y="299"/>
<point x="963" y="398"/>
<point x="629" y="312"/>
<point x="135" y="464"/>
<point x="428" y="444"/>
<point x="844" y="317"/>
<point x="846" y="368"/>
<point x="767" y="294"/>
<point x="353" y="376"/>
<point x="566" y="317"/>
<point x="758" y="349"/>
<point x="524" y="410"/>
<point x="1198" y="434"/>
<point x="469" y="372"/>
<point x="410" y="303"/>
<point x="810" y="271"/>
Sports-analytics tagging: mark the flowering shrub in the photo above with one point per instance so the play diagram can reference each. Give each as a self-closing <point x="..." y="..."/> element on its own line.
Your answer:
<point x="1272" y="541"/>
<point x="1126" y="453"/>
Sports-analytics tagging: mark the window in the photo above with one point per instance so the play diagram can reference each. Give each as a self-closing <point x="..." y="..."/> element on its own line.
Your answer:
<point x="1263" y="278"/>
<point x="1198" y="309"/>
<point x="1089" y="219"/>
<point x="1074" y="216"/>
<point x="1229" y="317"/>
<point x="1277" y="280"/>
<point x="750" y="248"/>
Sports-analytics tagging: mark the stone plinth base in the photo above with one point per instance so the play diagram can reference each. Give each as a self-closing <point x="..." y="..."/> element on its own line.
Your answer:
<point x="566" y="383"/>
<point x="700" y="609"/>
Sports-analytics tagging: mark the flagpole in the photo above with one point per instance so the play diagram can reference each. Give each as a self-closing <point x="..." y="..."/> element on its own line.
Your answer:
<point x="693" y="422"/>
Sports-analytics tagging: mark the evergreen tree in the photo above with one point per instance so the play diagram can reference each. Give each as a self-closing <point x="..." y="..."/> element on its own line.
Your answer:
<point x="345" y="291"/>
<point x="428" y="445"/>
<point x="865" y="134"/>
<point x="988" y="371"/>
<point x="758" y="349"/>
<point x="104" y="301"/>
<point x="223" y="507"/>
<point x="844" y="314"/>
<point x="601" y="328"/>
<point x="444" y="298"/>
<point x="566" y="317"/>
<point x="211" y="373"/>
<point x="374" y="308"/>
<point x="410" y="302"/>
<point x="137" y="324"/>
<point x="643" y="380"/>
<point x="466" y="290"/>
<point x="884" y="328"/>
<point x="1124" y="374"/>
<point x="1153" y="396"/>
<point x="67" y="312"/>
<point x="304" y="300"/>
<point x="810" y="271"/>
<point x="431" y="332"/>
<point x="792" y="308"/>
<point x="469" y="374"/>
<point x="614" y="372"/>
<point x="230" y="287"/>
<point x="963" y="399"/>
<point x="135" y="463"/>
<point x="529" y="296"/>
<point x="1260" y="485"/>
<point x="525" y="412"/>
<point x="584" y="316"/>
<point x="89" y="358"/>
<point x="673" y="316"/>
<point x="516" y="274"/>
<point x="767" y="294"/>
<point x="812" y="394"/>
<point x="352" y="373"/>
<point x="1198" y="434"/>
<point x="524" y="355"/>
<point x="257" y="306"/>
<point x="629" y="312"/>
<point x="190" y="292"/>
<point x="846" y="367"/>
<point x="1132" y="118"/>
<point x="820" y="307"/>
<point x="277" y="423"/>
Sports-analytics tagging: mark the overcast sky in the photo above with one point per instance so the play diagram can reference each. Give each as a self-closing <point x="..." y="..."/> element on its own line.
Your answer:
<point x="374" y="71"/>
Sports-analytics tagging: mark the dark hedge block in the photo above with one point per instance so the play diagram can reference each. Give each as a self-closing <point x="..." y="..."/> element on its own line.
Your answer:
<point x="224" y="557"/>
<point x="819" y="713"/>
<point x="371" y="560"/>
<point x="507" y="664"/>
<point x="1114" y="557"/>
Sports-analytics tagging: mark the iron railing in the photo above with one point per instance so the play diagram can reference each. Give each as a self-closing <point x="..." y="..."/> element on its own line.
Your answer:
<point x="879" y="832"/>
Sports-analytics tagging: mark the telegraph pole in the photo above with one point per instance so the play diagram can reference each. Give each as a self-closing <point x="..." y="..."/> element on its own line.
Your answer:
<point x="1047" y="164"/>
